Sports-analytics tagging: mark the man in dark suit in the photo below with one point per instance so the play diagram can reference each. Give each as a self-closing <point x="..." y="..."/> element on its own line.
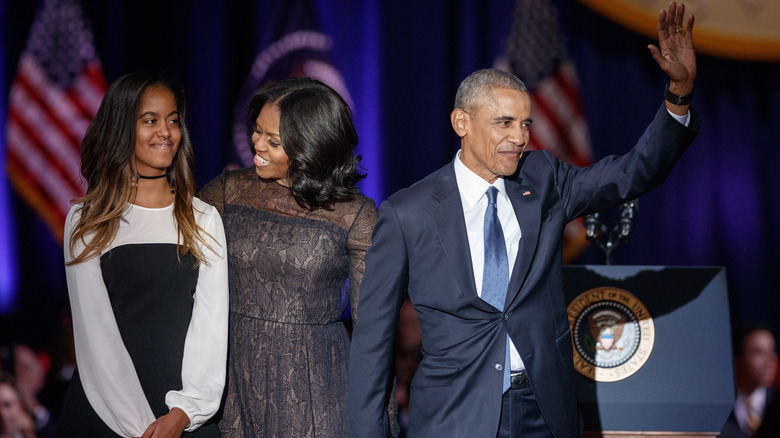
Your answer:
<point x="756" y="408"/>
<point x="498" y="363"/>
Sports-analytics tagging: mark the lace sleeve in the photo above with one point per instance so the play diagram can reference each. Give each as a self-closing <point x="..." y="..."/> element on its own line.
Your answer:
<point x="358" y="242"/>
<point x="214" y="192"/>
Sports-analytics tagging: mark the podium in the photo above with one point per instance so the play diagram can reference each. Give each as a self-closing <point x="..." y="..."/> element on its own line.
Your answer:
<point x="652" y="347"/>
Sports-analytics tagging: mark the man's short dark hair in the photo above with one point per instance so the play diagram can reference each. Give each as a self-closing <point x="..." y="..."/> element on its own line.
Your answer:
<point x="477" y="86"/>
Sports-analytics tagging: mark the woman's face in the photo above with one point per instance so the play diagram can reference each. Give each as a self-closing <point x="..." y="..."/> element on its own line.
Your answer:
<point x="271" y="162"/>
<point x="157" y="133"/>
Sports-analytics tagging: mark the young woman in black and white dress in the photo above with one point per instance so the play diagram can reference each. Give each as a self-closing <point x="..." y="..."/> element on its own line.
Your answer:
<point x="147" y="275"/>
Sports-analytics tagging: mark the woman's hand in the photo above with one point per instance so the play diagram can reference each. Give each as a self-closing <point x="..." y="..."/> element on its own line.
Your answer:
<point x="170" y="425"/>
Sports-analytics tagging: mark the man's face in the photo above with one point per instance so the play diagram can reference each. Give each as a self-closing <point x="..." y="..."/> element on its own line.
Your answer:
<point x="495" y="134"/>
<point x="759" y="360"/>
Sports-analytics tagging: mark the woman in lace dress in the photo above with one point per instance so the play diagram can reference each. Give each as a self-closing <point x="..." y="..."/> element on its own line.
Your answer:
<point x="297" y="230"/>
<point x="147" y="275"/>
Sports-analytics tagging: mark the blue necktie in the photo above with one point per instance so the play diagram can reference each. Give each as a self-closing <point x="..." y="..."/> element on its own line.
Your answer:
<point x="495" y="277"/>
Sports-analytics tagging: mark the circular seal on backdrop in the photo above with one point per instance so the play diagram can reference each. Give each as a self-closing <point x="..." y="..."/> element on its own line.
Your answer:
<point x="612" y="332"/>
<point x="737" y="29"/>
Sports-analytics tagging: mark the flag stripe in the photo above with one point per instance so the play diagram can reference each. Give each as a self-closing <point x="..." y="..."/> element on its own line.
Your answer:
<point x="37" y="199"/>
<point x="39" y="129"/>
<point x="42" y="126"/>
<point x="57" y="90"/>
<point x="567" y="78"/>
<point x="568" y="122"/>
<point x="536" y="53"/>
<point x="88" y="89"/>
<point x="58" y="186"/>
<point x="38" y="163"/>
<point x="544" y="135"/>
<point x="51" y="98"/>
<point x="552" y="127"/>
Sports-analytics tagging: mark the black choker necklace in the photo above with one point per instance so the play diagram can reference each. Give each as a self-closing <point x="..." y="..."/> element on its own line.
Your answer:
<point x="152" y="177"/>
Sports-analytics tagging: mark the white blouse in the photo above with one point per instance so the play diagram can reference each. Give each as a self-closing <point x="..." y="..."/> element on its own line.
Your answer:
<point x="105" y="367"/>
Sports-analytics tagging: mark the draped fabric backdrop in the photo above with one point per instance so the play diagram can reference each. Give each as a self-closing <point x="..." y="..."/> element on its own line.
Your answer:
<point x="402" y="62"/>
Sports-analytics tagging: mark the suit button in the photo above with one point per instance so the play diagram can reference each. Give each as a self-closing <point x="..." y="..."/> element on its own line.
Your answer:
<point x="499" y="367"/>
<point x="506" y="316"/>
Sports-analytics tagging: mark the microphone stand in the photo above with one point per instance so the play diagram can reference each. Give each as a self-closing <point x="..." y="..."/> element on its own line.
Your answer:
<point x="598" y="233"/>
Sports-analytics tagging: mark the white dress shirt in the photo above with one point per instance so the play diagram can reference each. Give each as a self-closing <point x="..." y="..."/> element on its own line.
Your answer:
<point x="472" y="190"/>
<point x="755" y="402"/>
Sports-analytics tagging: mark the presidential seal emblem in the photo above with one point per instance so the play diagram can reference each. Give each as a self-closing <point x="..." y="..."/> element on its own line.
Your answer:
<point x="612" y="332"/>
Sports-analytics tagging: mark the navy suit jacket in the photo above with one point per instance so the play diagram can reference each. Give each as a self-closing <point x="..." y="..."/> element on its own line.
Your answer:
<point x="770" y="424"/>
<point x="420" y="247"/>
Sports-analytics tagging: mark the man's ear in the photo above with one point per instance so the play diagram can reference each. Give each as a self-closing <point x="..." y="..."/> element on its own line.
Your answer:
<point x="459" y="120"/>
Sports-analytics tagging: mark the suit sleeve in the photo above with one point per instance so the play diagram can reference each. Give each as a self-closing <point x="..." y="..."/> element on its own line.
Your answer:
<point x="105" y="367"/>
<point x="614" y="180"/>
<point x="205" y="348"/>
<point x="381" y="294"/>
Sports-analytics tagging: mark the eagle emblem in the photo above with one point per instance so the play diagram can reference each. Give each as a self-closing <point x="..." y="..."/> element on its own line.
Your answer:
<point x="606" y="326"/>
<point x="612" y="333"/>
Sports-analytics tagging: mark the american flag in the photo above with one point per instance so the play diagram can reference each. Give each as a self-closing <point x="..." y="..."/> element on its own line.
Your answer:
<point x="535" y="53"/>
<point x="57" y="90"/>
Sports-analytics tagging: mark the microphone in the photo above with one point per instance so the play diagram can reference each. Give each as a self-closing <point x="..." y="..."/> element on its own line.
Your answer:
<point x="627" y="219"/>
<point x="592" y="223"/>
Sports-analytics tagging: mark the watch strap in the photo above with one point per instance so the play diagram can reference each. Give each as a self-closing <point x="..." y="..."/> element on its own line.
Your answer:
<point x="676" y="99"/>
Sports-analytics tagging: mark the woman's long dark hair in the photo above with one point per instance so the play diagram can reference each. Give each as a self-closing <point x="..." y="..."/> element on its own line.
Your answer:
<point x="319" y="138"/>
<point x="108" y="165"/>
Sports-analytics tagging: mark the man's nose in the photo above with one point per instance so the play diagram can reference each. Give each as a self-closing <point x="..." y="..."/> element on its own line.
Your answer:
<point x="518" y="137"/>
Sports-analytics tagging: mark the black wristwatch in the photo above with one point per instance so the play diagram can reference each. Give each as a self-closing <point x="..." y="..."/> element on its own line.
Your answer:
<point x="675" y="99"/>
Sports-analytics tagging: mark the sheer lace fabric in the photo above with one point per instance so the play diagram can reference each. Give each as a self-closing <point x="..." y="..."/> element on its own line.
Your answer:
<point x="292" y="273"/>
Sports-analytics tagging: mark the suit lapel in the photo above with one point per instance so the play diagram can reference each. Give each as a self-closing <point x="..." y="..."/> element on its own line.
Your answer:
<point x="528" y="212"/>
<point x="451" y="226"/>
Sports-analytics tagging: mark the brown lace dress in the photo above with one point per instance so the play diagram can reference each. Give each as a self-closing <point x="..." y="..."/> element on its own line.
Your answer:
<point x="288" y="268"/>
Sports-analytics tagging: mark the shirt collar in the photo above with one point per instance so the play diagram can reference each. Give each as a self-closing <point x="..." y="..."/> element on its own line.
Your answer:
<point x="471" y="186"/>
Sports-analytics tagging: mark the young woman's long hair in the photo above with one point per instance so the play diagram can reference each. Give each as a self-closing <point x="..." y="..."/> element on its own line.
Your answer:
<point x="318" y="137"/>
<point x="108" y="165"/>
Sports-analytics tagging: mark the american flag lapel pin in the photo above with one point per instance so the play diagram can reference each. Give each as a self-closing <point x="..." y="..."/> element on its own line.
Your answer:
<point x="526" y="193"/>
